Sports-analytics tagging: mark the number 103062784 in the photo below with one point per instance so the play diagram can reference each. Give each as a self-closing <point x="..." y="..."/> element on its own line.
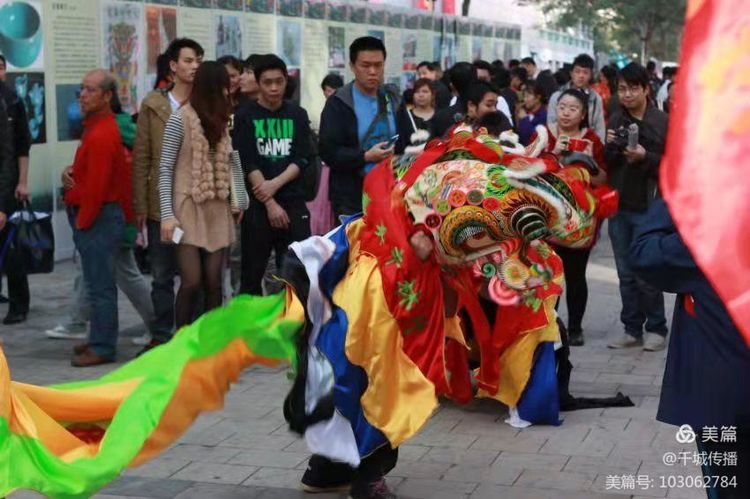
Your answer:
<point x="697" y="482"/>
<point x="646" y="482"/>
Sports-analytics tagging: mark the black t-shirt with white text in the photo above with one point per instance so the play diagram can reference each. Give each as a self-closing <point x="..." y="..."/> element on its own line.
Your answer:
<point x="270" y="141"/>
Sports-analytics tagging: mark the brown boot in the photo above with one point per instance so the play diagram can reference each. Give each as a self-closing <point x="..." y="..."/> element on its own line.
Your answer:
<point x="88" y="358"/>
<point x="79" y="348"/>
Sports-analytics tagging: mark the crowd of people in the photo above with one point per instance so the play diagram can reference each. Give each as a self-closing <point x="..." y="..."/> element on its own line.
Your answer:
<point x="216" y="173"/>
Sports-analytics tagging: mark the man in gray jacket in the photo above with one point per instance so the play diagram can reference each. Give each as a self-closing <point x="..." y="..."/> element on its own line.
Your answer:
<point x="580" y="78"/>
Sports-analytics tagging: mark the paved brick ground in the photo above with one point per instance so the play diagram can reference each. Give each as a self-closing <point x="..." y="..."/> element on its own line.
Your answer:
<point x="245" y="451"/>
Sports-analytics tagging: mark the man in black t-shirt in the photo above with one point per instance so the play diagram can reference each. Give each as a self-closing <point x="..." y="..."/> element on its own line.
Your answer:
<point x="272" y="136"/>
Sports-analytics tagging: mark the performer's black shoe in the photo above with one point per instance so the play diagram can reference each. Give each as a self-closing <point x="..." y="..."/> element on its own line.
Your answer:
<point x="14" y="318"/>
<point x="323" y="475"/>
<point x="575" y="339"/>
<point x="372" y="490"/>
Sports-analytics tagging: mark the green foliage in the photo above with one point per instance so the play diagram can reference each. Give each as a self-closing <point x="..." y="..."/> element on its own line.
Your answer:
<point x="649" y="28"/>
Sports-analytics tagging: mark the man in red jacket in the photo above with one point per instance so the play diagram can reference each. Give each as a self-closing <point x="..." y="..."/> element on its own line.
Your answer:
<point x="95" y="198"/>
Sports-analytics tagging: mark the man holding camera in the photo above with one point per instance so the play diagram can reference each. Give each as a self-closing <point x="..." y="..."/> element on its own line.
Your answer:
<point x="633" y="168"/>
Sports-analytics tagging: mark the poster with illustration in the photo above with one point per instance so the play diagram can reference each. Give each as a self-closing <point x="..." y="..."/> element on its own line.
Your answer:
<point x="295" y="81"/>
<point x="411" y="21"/>
<point x="409" y="43"/>
<point x="339" y="11"/>
<point x="291" y="8"/>
<point x="289" y="42"/>
<point x="359" y="14"/>
<point x="229" y="4"/>
<point x="228" y="36"/>
<point x="336" y="47"/>
<point x="260" y="6"/>
<point x="69" y="119"/>
<point x="476" y="48"/>
<point x="122" y="32"/>
<point x="30" y="90"/>
<point x="200" y="4"/>
<point x="396" y="19"/>
<point x="378" y="17"/>
<point x="161" y="28"/>
<point x="407" y="80"/>
<point x="21" y="35"/>
<point x="449" y="51"/>
<point x="377" y="33"/>
<point x="316" y="9"/>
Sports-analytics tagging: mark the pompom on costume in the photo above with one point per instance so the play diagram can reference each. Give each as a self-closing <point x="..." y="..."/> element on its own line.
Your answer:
<point x="373" y="330"/>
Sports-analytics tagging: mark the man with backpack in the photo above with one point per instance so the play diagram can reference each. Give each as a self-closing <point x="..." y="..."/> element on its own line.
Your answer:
<point x="272" y="136"/>
<point x="358" y="125"/>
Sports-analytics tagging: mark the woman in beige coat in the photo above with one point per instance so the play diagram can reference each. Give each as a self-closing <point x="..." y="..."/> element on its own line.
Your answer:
<point x="201" y="190"/>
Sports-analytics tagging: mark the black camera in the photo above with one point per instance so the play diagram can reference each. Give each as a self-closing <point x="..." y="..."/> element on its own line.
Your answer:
<point x="621" y="138"/>
<point x="626" y="136"/>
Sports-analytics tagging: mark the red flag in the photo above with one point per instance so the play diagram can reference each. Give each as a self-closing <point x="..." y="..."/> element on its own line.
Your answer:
<point x="705" y="176"/>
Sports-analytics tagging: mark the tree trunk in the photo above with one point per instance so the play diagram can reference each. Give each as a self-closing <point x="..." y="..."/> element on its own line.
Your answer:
<point x="465" y="7"/>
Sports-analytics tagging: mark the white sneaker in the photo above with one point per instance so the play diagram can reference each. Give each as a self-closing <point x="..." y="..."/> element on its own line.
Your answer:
<point x="145" y="339"/>
<point x="653" y="342"/>
<point x="61" y="332"/>
<point x="625" y="341"/>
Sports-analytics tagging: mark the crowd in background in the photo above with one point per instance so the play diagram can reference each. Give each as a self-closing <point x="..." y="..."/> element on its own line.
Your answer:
<point x="239" y="174"/>
<point x="220" y="172"/>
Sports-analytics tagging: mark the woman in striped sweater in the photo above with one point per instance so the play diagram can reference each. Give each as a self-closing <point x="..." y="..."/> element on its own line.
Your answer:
<point x="197" y="180"/>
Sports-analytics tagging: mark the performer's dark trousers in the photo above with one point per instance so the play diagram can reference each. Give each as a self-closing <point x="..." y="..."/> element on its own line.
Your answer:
<point x="576" y="289"/>
<point x="371" y="468"/>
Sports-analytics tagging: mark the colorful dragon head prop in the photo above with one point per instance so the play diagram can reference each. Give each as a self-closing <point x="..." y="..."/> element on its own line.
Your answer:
<point x="489" y="216"/>
<point x="488" y="210"/>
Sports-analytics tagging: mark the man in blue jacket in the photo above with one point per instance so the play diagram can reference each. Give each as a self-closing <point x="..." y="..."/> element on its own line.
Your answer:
<point x="708" y="362"/>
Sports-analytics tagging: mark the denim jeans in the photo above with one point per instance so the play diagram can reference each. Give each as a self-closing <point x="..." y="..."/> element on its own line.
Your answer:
<point x="641" y="302"/>
<point x="129" y="280"/>
<point x="163" y="272"/>
<point x="97" y="246"/>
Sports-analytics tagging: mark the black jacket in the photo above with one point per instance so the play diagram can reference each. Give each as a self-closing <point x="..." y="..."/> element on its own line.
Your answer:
<point x="637" y="183"/>
<point x="8" y="161"/>
<point x="443" y="95"/>
<point x="340" y="150"/>
<point x="16" y="142"/>
<point x="446" y="118"/>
